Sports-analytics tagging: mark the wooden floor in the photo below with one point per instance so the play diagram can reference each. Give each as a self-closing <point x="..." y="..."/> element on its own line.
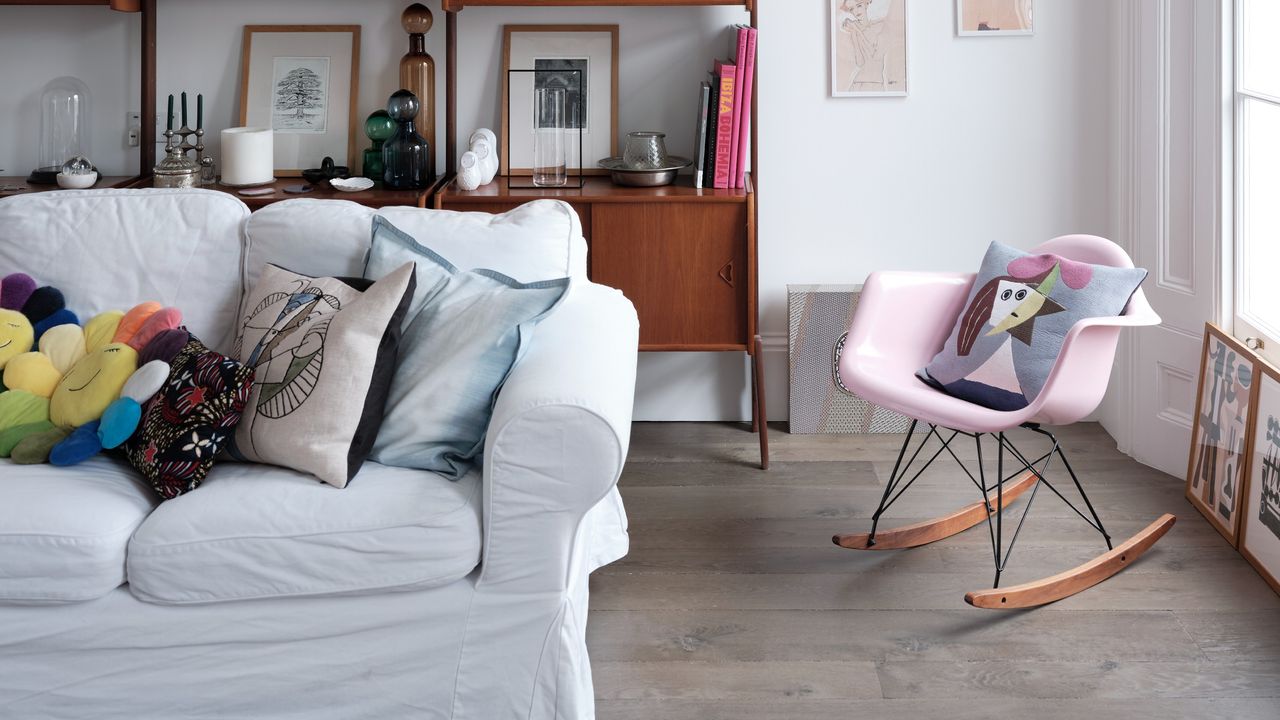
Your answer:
<point x="734" y="605"/>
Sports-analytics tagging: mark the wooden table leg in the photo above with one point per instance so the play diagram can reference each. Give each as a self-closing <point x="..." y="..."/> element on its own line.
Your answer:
<point x="760" y="418"/>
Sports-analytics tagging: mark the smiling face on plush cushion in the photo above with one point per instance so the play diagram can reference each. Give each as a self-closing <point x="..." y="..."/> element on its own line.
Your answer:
<point x="84" y="393"/>
<point x="16" y="335"/>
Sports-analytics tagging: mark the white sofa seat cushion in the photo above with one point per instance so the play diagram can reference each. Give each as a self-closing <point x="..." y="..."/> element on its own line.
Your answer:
<point x="63" y="531"/>
<point x="254" y="531"/>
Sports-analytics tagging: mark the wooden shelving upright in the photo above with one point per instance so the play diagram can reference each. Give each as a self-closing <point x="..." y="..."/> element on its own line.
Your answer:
<point x="677" y="252"/>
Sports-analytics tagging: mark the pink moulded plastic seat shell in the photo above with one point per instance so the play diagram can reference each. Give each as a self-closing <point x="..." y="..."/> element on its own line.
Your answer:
<point x="882" y="352"/>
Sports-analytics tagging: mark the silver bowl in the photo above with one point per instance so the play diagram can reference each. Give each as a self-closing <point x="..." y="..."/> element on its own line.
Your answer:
<point x="664" y="174"/>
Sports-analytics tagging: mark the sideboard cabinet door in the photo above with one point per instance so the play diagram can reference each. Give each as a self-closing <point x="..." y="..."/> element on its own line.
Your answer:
<point x="684" y="265"/>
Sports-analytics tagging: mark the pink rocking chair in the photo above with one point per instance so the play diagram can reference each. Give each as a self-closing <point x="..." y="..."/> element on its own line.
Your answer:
<point x="880" y="358"/>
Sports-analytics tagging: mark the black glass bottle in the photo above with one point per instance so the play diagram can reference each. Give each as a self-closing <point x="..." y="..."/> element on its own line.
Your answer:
<point x="405" y="155"/>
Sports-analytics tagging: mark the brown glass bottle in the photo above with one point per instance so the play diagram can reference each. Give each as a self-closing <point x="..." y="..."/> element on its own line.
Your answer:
<point x="418" y="75"/>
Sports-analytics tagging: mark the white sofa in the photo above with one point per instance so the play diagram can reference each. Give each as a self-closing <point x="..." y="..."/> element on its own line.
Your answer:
<point x="266" y="594"/>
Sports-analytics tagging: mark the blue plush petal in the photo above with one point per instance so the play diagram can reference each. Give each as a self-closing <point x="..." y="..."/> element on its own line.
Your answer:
<point x="119" y="422"/>
<point x="81" y="445"/>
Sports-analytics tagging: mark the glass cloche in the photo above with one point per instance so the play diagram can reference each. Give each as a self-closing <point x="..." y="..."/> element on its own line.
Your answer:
<point x="65" y="112"/>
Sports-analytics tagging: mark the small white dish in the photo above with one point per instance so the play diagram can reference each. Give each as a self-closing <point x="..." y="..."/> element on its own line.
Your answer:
<point x="77" y="181"/>
<point x="351" y="184"/>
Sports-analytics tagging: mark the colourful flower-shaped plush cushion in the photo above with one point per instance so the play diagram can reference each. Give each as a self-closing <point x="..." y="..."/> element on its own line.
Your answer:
<point x="190" y="419"/>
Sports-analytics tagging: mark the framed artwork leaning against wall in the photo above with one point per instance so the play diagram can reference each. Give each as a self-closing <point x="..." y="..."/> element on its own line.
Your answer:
<point x="1216" y="467"/>
<point x="1260" y="514"/>
<point x="302" y="81"/>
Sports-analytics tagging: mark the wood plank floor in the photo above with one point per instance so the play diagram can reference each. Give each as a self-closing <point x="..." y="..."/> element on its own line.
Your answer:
<point x="733" y="603"/>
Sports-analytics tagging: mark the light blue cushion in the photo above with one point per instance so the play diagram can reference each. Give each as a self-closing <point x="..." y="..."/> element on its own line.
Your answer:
<point x="463" y="333"/>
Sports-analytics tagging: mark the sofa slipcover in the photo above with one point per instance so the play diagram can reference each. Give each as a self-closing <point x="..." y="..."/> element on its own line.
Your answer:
<point x="256" y="531"/>
<point x="63" y="531"/>
<point x="99" y="247"/>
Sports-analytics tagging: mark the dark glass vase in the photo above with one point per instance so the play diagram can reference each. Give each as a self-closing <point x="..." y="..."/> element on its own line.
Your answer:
<point x="380" y="128"/>
<point x="405" y="157"/>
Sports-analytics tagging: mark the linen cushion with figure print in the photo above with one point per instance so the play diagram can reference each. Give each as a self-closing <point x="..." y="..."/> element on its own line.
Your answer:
<point x="323" y="351"/>
<point x="1017" y="316"/>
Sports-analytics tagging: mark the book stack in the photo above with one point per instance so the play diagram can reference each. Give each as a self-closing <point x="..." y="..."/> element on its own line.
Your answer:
<point x="724" y="115"/>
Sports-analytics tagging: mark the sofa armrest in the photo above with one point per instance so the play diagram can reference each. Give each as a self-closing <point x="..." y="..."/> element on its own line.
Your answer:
<point x="558" y="438"/>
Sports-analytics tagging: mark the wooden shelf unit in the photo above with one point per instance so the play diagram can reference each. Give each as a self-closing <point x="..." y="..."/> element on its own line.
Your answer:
<point x="685" y="256"/>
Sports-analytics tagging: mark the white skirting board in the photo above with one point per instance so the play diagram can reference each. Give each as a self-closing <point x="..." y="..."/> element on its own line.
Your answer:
<point x="709" y="387"/>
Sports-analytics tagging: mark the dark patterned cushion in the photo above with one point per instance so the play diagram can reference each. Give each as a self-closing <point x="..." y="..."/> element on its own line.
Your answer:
<point x="190" y="419"/>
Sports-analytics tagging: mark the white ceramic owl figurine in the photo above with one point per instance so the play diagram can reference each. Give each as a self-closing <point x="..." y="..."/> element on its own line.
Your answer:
<point x="485" y="145"/>
<point x="470" y="176"/>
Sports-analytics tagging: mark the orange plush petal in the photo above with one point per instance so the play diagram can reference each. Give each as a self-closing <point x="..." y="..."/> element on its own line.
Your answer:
<point x="134" y="320"/>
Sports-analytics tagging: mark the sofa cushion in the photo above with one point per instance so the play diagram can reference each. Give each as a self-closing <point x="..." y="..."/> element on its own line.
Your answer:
<point x="108" y="249"/>
<point x="539" y="240"/>
<point x="63" y="531"/>
<point x="256" y="531"/>
<point x="323" y="350"/>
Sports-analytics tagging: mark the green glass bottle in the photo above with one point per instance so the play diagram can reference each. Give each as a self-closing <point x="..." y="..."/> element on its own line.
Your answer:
<point x="379" y="127"/>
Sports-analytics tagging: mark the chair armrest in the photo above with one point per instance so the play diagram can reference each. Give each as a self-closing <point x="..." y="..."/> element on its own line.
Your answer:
<point x="925" y="306"/>
<point x="1079" y="378"/>
<point x="558" y="438"/>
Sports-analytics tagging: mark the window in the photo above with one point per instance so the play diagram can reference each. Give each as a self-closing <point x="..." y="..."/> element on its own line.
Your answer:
<point x="1257" y="227"/>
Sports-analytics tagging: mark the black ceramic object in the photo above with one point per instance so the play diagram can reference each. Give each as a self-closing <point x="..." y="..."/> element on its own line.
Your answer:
<point x="326" y="172"/>
<point x="405" y="157"/>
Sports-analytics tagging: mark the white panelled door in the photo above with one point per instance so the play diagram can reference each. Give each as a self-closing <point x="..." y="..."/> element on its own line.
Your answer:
<point x="1171" y="141"/>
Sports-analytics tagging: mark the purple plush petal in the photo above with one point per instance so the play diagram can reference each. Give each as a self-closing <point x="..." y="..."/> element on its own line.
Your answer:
<point x="15" y="289"/>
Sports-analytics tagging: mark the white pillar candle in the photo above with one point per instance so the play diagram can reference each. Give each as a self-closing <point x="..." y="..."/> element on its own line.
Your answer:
<point x="247" y="156"/>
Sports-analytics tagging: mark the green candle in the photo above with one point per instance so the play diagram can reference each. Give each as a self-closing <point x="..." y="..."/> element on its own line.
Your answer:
<point x="200" y="110"/>
<point x="170" y="125"/>
<point x="184" y="108"/>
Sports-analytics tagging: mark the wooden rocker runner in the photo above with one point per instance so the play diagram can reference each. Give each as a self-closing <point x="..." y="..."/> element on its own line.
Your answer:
<point x="882" y="353"/>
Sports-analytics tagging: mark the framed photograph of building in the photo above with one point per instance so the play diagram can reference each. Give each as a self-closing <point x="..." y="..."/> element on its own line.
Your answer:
<point x="868" y="48"/>
<point x="302" y="82"/>
<point x="581" y="59"/>
<point x="1260" y="512"/>
<point x="994" y="17"/>
<point x="1217" y="463"/>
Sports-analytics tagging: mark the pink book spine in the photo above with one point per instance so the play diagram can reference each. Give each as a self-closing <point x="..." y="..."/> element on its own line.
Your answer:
<point x="724" y="130"/>
<point x="746" y="68"/>
<point x="739" y="51"/>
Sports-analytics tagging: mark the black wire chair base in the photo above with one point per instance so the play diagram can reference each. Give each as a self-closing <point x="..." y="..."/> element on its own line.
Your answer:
<point x="996" y="493"/>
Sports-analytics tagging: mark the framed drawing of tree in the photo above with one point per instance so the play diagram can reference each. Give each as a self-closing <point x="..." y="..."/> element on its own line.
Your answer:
<point x="302" y="81"/>
<point x="1225" y="414"/>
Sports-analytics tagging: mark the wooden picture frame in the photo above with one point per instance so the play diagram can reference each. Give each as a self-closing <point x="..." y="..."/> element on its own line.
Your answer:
<point x="1217" y="462"/>
<point x="325" y="60"/>
<point x="1260" y="511"/>
<point x="557" y="42"/>
<point x="1010" y="18"/>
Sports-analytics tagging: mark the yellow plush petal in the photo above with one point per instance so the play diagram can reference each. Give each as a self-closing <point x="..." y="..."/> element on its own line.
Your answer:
<point x="93" y="384"/>
<point x="99" y="331"/>
<point x="64" y="345"/>
<point x="33" y="372"/>
<point x="16" y="335"/>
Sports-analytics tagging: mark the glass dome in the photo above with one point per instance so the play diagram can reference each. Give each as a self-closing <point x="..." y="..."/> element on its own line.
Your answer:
<point x="65" y="109"/>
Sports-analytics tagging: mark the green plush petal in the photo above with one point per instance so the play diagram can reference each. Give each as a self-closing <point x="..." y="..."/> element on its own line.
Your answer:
<point x="11" y="437"/>
<point x="35" y="449"/>
<point x="19" y="407"/>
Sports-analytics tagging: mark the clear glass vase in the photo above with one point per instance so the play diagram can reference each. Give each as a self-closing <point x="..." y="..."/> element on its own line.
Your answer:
<point x="549" y="163"/>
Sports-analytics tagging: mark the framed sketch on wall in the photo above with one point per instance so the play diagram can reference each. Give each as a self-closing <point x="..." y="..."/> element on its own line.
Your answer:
<point x="582" y="59"/>
<point x="1260" y="521"/>
<point x="994" y="17"/>
<point x="302" y="81"/>
<point x="1216" y="466"/>
<point x="868" y="48"/>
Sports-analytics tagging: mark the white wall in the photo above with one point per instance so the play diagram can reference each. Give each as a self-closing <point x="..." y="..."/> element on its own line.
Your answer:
<point x="1001" y="138"/>
<point x="95" y="44"/>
